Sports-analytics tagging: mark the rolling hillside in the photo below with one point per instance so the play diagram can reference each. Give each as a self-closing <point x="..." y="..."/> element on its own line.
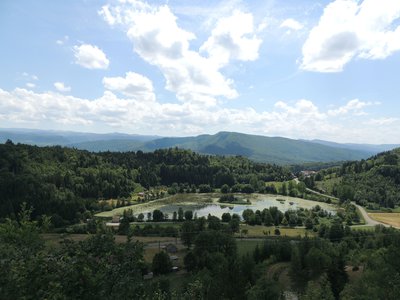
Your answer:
<point x="373" y="182"/>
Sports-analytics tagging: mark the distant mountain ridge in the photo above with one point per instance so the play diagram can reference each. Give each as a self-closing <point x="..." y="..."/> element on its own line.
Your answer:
<point x="65" y="138"/>
<point x="362" y="147"/>
<point x="256" y="147"/>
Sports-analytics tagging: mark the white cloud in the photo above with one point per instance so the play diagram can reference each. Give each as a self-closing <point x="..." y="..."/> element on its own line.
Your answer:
<point x="383" y="121"/>
<point x="233" y="38"/>
<point x="63" y="40"/>
<point x="30" y="85"/>
<point x="351" y="29"/>
<point x="354" y="106"/>
<point x="90" y="57"/>
<point x="158" y="40"/>
<point x="30" y="76"/>
<point x="132" y="85"/>
<point x="61" y="87"/>
<point x="291" y="24"/>
<point x="299" y="119"/>
<point x="262" y="26"/>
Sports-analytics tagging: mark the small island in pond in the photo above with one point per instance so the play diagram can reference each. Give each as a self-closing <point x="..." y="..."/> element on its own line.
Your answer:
<point x="230" y="198"/>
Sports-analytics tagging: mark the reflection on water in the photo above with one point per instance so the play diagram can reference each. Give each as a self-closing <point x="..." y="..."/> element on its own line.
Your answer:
<point x="257" y="202"/>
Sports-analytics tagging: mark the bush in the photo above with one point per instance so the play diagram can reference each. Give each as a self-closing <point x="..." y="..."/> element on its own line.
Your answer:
<point x="227" y="198"/>
<point x="205" y="188"/>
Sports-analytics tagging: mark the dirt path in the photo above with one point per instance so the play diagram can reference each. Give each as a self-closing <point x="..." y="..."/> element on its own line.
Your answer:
<point x="324" y="195"/>
<point x="368" y="220"/>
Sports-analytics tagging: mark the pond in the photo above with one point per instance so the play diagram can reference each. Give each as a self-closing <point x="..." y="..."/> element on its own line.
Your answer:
<point x="204" y="204"/>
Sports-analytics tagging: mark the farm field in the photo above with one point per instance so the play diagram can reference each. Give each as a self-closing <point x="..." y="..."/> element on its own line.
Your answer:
<point x="53" y="239"/>
<point x="392" y="219"/>
<point x="260" y="231"/>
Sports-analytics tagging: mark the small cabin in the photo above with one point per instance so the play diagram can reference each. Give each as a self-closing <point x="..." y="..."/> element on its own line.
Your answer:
<point x="171" y="248"/>
<point x="116" y="219"/>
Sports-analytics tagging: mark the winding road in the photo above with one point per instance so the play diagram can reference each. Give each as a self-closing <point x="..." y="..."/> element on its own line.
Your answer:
<point x="368" y="220"/>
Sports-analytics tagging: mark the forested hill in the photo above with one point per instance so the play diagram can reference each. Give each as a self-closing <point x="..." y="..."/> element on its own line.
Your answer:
<point x="66" y="183"/>
<point x="279" y="150"/>
<point x="260" y="148"/>
<point x="374" y="182"/>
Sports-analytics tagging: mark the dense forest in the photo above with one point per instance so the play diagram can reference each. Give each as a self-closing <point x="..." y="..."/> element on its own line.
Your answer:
<point x="99" y="268"/>
<point x="373" y="183"/>
<point x="67" y="184"/>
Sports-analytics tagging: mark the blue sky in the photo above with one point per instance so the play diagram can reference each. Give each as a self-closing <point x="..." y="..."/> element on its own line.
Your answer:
<point x="299" y="69"/>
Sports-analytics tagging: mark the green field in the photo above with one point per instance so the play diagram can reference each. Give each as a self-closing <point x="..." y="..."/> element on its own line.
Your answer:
<point x="363" y="228"/>
<point x="247" y="246"/>
<point x="328" y="184"/>
<point x="260" y="231"/>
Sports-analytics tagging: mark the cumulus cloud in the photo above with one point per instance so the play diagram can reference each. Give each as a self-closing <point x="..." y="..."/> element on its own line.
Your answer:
<point x="298" y="119"/>
<point x="351" y="29"/>
<point x="132" y="85"/>
<point x="354" y="106"/>
<point x="90" y="57"/>
<point x="160" y="41"/>
<point x="30" y="85"/>
<point x="61" y="87"/>
<point x="291" y="24"/>
<point x="233" y="38"/>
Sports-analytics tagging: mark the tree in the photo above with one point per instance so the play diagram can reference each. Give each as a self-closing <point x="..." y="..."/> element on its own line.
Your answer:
<point x="226" y="217"/>
<point x="296" y="266"/>
<point x="205" y="188"/>
<point x="214" y="223"/>
<point x="161" y="263"/>
<point x="140" y="217"/>
<point x="319" y="290"/>
<point x="188" y="215"/>
<point x="225" y="189"/>
<point x="190" y="261"/>
<point x="180" y="214"/>
<point x="247" y="214"/>
<point x="308" y="223"/>
<point x="268" y="221"/>
<point x="247" y="188"/>
<point x="284" y="189"/>
<point x="336" y="232"/>
<point x="234" y="225"/>
<point x="187" y="233"/>
<point x="124" y="226"/>
<point x="158" y="216"/>
<point x="316" y="261"/>
<point x="264" y="289"/>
